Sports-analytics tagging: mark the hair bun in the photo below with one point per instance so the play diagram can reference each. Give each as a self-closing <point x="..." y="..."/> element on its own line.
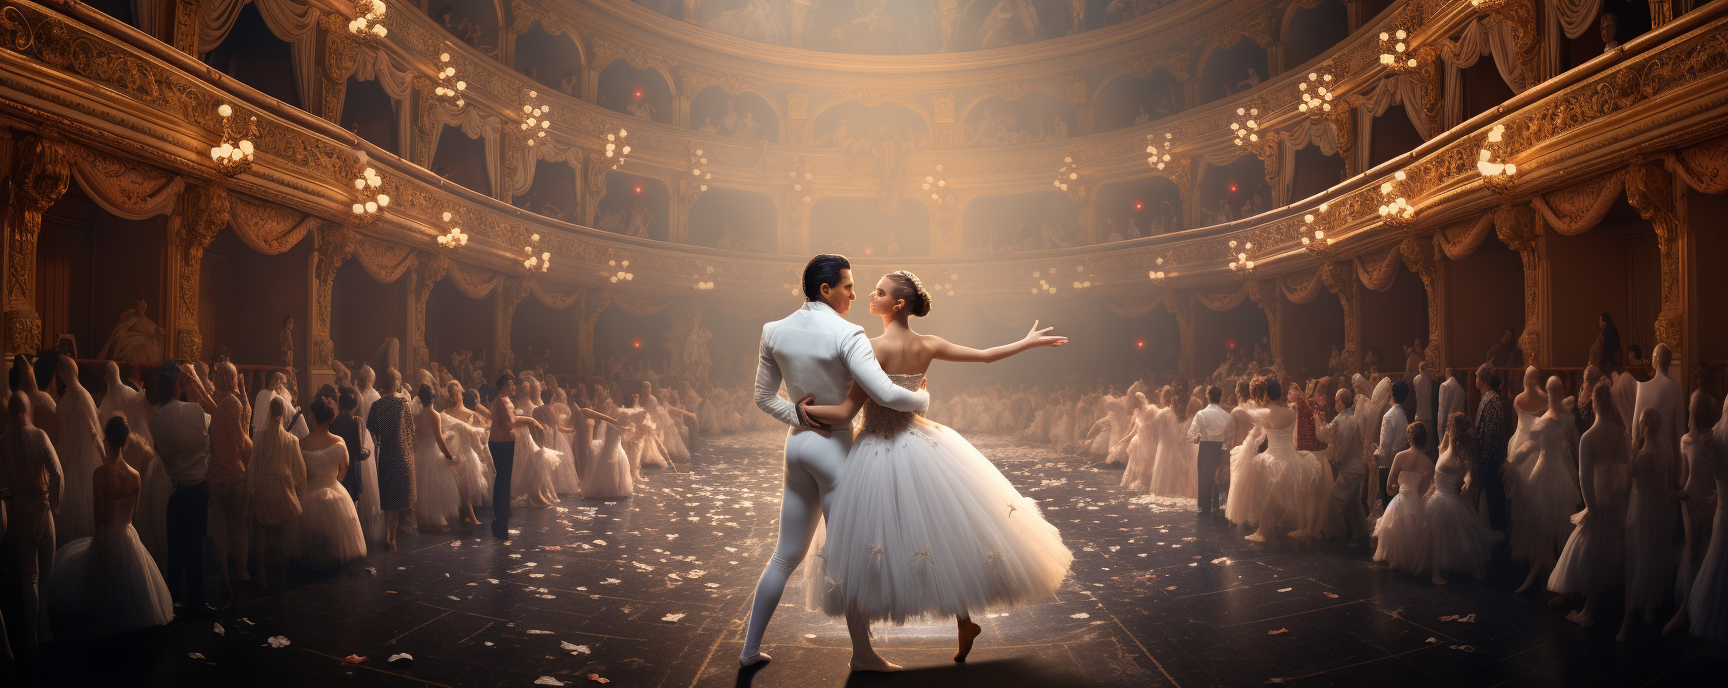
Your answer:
<point x="920" y="305"/>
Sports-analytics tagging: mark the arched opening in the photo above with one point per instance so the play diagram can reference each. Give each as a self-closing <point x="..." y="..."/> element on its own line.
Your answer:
<point x="1232" y="70"/>
<point x="474" y="22"/>
<point x="553" y="193"/>
<point x="1613" y="268"/>
<point x="873" y="27"/>
<point x="634" y="206"/>
<point x="1631" y="19"/>
<point x="1395" y="318"/>
<point x="640" y="92"/>
<point x="363" y="311"/>
<point x="256" y="57"/>
<point x="1393" y="134"/>
<point x="1137" y="208"/>
<point x="855" y="127"/>
<point x="1021" y="222"/>
<point x="1132" y="101"/>
<point x="462" y="160"/>
<point x="1234" y="335"/>
<point x="859" y="227"/>
<point x="1000" y="23"/>
<point x="745" y="115"/>
<point x="625" y="344"/>
<point x="1036" y="116"/>
<point x="1233" y="191"/>
<point x="371" y="114"/>
<point x="1314" y="30"/>
<point x="460" y="326"/>
<point x="1310" y="332"/>
<point x="553" y="61"/>
<point x="542" y="333"/>
<point x="1482" y="301"/>
<point x="91" y="268"/>
<point x="1314" y="172"/>
<point x="1707" y="243"/>
<point x="734" y="219"/>
<point x="1483" y="87"/>
<point x="252" y="292"/>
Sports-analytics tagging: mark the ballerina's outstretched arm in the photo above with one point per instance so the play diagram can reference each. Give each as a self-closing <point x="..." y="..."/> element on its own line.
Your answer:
<point x="945" y="350"/>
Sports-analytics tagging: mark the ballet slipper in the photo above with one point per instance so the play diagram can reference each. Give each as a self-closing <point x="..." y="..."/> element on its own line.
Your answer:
<point x="969" y="632"/>
<point x="751" y="660"/>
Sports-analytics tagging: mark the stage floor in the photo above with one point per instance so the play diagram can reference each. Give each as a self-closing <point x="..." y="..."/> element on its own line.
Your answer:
<point x="654" y="591"/>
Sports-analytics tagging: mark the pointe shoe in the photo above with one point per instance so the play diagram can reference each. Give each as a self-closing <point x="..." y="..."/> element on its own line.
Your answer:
<point x="877" y="664"/>
<point x="968" y="633"/>
<point x="748" y="661"/>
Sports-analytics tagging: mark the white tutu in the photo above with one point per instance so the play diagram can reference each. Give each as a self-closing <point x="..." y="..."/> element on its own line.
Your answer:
<point x="151" y="518"/>
<point x="436" y="501"/>
<point x="533" y="467"/>
<point x="369" y="506"/>
<point x="1295" y="482"/>
<point x="79" y="448"/>
<point x="1403" y="529"/>
<point x="1142" y="451"/>
<point x="1177" y="472"/>
<point x="924" y="525"/>
<point x="1247" y="497"/>
<point x="108" y="583"/>
<point x="609" y="474"/>
<point x="1707" y="605"/>
<point x="1460" y="544"/>
<point x="468" y="444"/>
<point x="1593" y="559"/>
<point x="1650" y="516"/>
<point x="1545" y="498"/>
<point x="566" y="478"/>
<point x="329" y="526"/>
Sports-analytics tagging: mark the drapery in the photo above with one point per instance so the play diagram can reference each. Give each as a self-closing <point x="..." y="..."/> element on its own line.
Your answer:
<point x="293" y="21"/>
<point x="554" y="298"/>
<point x="1477" y="40"/>
<point x="396" y="80"/>
<point x="1302" y="287"/>
<point x="1575" y="16"/>
<point x="1223" y="301"/>
<point x="1703" y="167"/>
<point x="638" y="304"/>
<point x="1308" y="131"/>
<point x="134" y="192"/>
<point x="1578" y="207"/>
<point x="474" y="283"/>
<point x="1377" y="271"/>
<point x="546" y="150"/>
<point x="268" y="228"/>
<point x="1461" y="238"/>
<point x="468" y="119"/>
<point x="384" y="262"/>
<point x="1130" y="307"/>
<point x="144" y="12"/>
<point x="1393" y="90"/>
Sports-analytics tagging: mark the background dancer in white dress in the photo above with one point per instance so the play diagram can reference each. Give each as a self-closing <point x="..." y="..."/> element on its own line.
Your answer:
<point x="818" y="355"/>
<point x="921" y="524"/>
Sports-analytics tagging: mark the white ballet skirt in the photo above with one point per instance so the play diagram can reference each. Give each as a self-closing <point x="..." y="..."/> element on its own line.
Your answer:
<point x="1707" y="604"/>
<point x="151" y="517"/>
<point x="1650" y="515"/>
<point x="369" y="506"/>
<point x="107" y="583"/>
<point x="1510" y="478"/>
<point x="79" y="448"/>
<point x="1295" y="482"/>
<point x="436" y="499"/>
<point x="1593" y="559"/>
<point x="468" y="444"/>
<point x="608" y="475"/>
<point x="1461" y="546"/>
<point x="534" y="465"/>
<point x="329" y="526"/>
<point x="1177" y="472"/>
<point x="1402" y="530"/>
<point x="922" y="525"/>
<point x="567" y="477"/>
<point x="672" y="433"/>
<point x="1546" y="497"/>
<point x="1143" y="451"/>
<point x="128" y="402"/>
<point x="650" y="453"/>
<point x="1121" y="421"/>
<point x="1247" y="496"/>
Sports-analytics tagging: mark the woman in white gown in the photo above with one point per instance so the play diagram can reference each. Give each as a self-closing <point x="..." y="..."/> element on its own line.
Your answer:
<point x="1527" y="406"/>
<point x="368" y="507"/>
<point x="1293" y="484"/>
<point x="273" y="480"/>
<point x="1707" y="603"/>
<point x="80" y="450"/>
<point x="1402" y="530"/>
<point x="437" y="501"/>
<point x="465" y="435"/>
<point x="1591" y="562"/>
<point x="608" y="474"/>
<point x="1461" y="545"/>
<point x="1546" y="496"/>
<point x="1699" y="454"/>
<point x="1143" y="441"/>
<point x="107" y="583"/>
<point x="921" y="524"/>
<point x="329" y="527"/>
<point x="1176" y="474"/>
<point x="1650" y="516"/>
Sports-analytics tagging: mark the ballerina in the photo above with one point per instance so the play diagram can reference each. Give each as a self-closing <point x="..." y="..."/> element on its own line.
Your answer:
<point x="1461" y="545"/>
<point x="1142" y="441"/>
<point x="1649" y="521"/>
<point x="1545" y="494"/>
<point x="79" y="448"/>
<point x="1701" y="454"/>
<point x="273" y="480"/>
<point x="1403" y="529"/>
<point x="437" y="500"/>
<point x="1591" y="562"/>
<point x="329" y="525"/>
<point x="920" y="523"/>
<point x="1292" y="483"/>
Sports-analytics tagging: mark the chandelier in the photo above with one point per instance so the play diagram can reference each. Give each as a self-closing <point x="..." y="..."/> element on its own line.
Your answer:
<point x="1316" y="223"/>
<point x="541" y="262"/>
<point x="235" y="154"/>
<point x="696" y="163"/>
<point x="705" y="285"/>
<point x="1069" y="173"/>
<point x="449" y="88"/>
<point x="534" y="117"/>
<point x="1158" y="152"/>
<point x="368" y="19"/>
<point x="801" y="178"/>
<point x="621" y="272"/>
<point x="369" y="196"/>
<point x="454" y="236"/>
<point x="1246" y="128"/>
<point x="1395" y="210"/>
<point x="1486" y="6"/>
<point x="616" y="149"/>
<point x="1242" y="265"/>
<point x="1497" y="176"/>
<point x="936" y="184"/>
<point x="1316" y="94"/>
<point x="1395" y="51"/>
<point x="1157" y="274"/>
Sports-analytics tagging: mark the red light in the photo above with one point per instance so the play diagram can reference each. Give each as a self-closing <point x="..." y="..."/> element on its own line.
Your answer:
<point x="1139" y="206"/>
<point x="638" y="189"/>
<point x="868" y="250"/>
<point x="636" y="344"/>
<point x="638" y="93"/>
<point x="1230" y="342"/>
<point x="1232" y="187"/>
<point x="1139" y="343"/>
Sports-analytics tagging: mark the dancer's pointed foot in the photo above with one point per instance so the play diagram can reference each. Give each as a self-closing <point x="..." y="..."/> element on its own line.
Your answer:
<point x="873" y="662"/>
<point x="754" y="659"/>
<point x="1256" y="537"/>
<point x="968" y="632"/>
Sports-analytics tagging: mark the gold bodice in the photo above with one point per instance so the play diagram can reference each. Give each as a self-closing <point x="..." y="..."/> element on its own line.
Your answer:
<point x="885" y="421"/>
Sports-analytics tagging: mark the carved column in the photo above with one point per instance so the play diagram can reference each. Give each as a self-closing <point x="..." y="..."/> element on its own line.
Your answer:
<point x="39" y="177"/>
<point x="797" y="128"/>
<point x="1078" y="9"/>
<point x="1275" y="58"/>
<point x="1340" y="278"/>
<point x="690" y="7"/>
<point x="800" y="14"/>
<point x="1516" y="226"/>
<point x="947" y="133"/>
<point x="945" y="229"/>
<point x="1418" y="255"/>
<point x="340" y="53"/>
<point x="1181" y="305"/>
<point x="1265" y="295"/>
<point x="200" y="213"/>
<point x="1084" y="118"/>
<point x="678" y="225"/>
<point x="335" y="247"/>
<point x="795" y="226"/>
<point x="1651" y="190"/>
<point x="510" y="295"/>
<point x="948" y="14"/>
<point x="593" y="187"/>
<point x="588" y="309"/>
<point x="186" y="27"/>
<point x="432" y="268"/>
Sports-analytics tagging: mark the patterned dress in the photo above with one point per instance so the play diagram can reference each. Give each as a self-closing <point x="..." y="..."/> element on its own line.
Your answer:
<point x="393" y="430"/>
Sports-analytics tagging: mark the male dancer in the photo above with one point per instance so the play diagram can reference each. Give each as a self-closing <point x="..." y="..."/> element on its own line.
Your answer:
<point x="818" y="354"/>
<point x="502" y="443"/>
